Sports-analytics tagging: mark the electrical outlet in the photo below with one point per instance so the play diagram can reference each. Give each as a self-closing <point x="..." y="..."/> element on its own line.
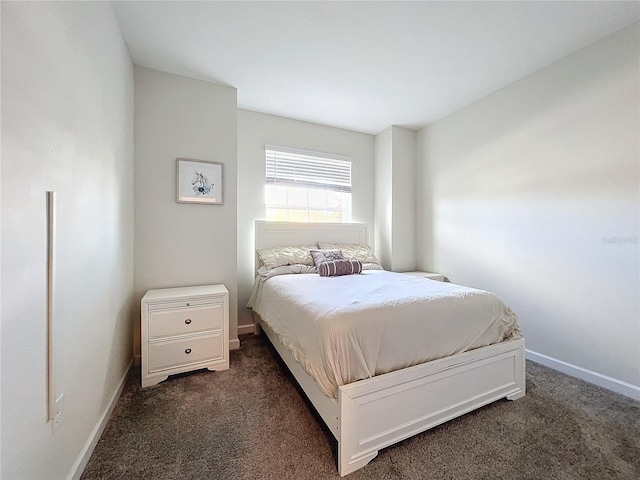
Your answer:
<point x="58" y="418"/>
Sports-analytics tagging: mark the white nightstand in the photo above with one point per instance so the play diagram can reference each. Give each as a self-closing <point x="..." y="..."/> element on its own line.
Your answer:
<point x="433" y="276"/>
<point x="184" y="329"/>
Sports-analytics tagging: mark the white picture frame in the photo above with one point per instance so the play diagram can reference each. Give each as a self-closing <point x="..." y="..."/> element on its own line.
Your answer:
<point x="199" y="181"/>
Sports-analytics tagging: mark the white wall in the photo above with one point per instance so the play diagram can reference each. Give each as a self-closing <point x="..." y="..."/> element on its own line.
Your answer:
<point x="383" y="204"/>
<point x="529" y="186"/>
<point x="255" y="130"/>
<point x="403" y="256"/>
<point x="67" y="126"/>
<point x="395" y="202"/>
<point x="179" y="244"/>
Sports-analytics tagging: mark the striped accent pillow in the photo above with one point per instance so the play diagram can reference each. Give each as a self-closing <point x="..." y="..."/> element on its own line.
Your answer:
<point x="336" y="268"/>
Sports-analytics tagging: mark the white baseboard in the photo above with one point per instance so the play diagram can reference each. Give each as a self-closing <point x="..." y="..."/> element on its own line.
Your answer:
<point x="82" y="460"/>
<point x="246" y="329"/>
<point x="613" y="384"/>
<point x="234" y="344"/>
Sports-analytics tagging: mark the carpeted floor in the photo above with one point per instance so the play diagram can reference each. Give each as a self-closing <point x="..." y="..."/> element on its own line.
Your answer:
<point x="251" y="422"/>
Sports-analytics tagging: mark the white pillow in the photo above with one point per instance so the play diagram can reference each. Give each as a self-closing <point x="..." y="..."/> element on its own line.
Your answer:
<point x="266" y="273"/>
<point x="281" y="256"/>
<point x="372" y="266"/>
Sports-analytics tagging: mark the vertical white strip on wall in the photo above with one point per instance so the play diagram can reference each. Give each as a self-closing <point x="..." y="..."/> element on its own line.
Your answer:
<point x="51" y="236"/>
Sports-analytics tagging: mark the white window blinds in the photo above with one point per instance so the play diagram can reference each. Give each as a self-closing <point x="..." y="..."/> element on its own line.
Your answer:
<point x="300" y="168"/>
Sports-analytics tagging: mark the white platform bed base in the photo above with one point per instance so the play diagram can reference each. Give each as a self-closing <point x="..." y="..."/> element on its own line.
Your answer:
<point x="374" y="413"/>
<point x="371" y="414"/>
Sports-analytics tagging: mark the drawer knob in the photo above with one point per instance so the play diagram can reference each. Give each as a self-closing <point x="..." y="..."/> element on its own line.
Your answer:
<point x="187" y="321"/>
<point x="187" y="351"/>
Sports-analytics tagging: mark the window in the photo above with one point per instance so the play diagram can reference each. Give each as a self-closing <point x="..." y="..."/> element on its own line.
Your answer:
<point x="304" y="186"/>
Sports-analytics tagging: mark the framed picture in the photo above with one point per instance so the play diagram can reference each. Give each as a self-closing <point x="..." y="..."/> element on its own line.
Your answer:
<point x="198" y="181"/>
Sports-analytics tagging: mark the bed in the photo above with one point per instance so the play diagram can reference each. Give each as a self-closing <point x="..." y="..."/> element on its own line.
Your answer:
<point x="367" y="400"/>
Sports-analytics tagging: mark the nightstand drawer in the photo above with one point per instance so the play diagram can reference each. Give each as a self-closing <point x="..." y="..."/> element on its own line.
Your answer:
<point x="181" y="321"/>
<point x="202" y="348"/>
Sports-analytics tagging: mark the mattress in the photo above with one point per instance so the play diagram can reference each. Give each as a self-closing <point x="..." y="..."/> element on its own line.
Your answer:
<point x="344" y="329"/>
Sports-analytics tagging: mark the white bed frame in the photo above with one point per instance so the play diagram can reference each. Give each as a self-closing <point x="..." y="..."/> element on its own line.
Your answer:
<point x="371" y="414"/>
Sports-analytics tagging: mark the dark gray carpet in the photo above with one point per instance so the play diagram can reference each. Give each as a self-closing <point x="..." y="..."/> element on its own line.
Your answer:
<point x="251" y="422"/>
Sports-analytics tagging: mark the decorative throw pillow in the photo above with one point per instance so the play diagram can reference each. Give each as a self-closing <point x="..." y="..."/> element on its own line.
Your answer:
<point x="321" y="256"/>
<point x="336" y="268"/>
<point x="280" y="256"/>
<point x="354" y="251"/>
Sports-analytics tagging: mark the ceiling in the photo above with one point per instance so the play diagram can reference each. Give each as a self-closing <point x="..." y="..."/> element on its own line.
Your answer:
<point x="363" y="65"/>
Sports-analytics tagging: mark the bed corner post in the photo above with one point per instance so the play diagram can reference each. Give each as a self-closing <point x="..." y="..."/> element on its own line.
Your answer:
<point x="351" y="454"/>
<point x="520" y="372"/>
<point x="256" y="323"/>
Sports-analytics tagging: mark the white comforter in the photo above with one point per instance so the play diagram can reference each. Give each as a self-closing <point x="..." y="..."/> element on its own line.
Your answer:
<point x="343" y="329"/>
